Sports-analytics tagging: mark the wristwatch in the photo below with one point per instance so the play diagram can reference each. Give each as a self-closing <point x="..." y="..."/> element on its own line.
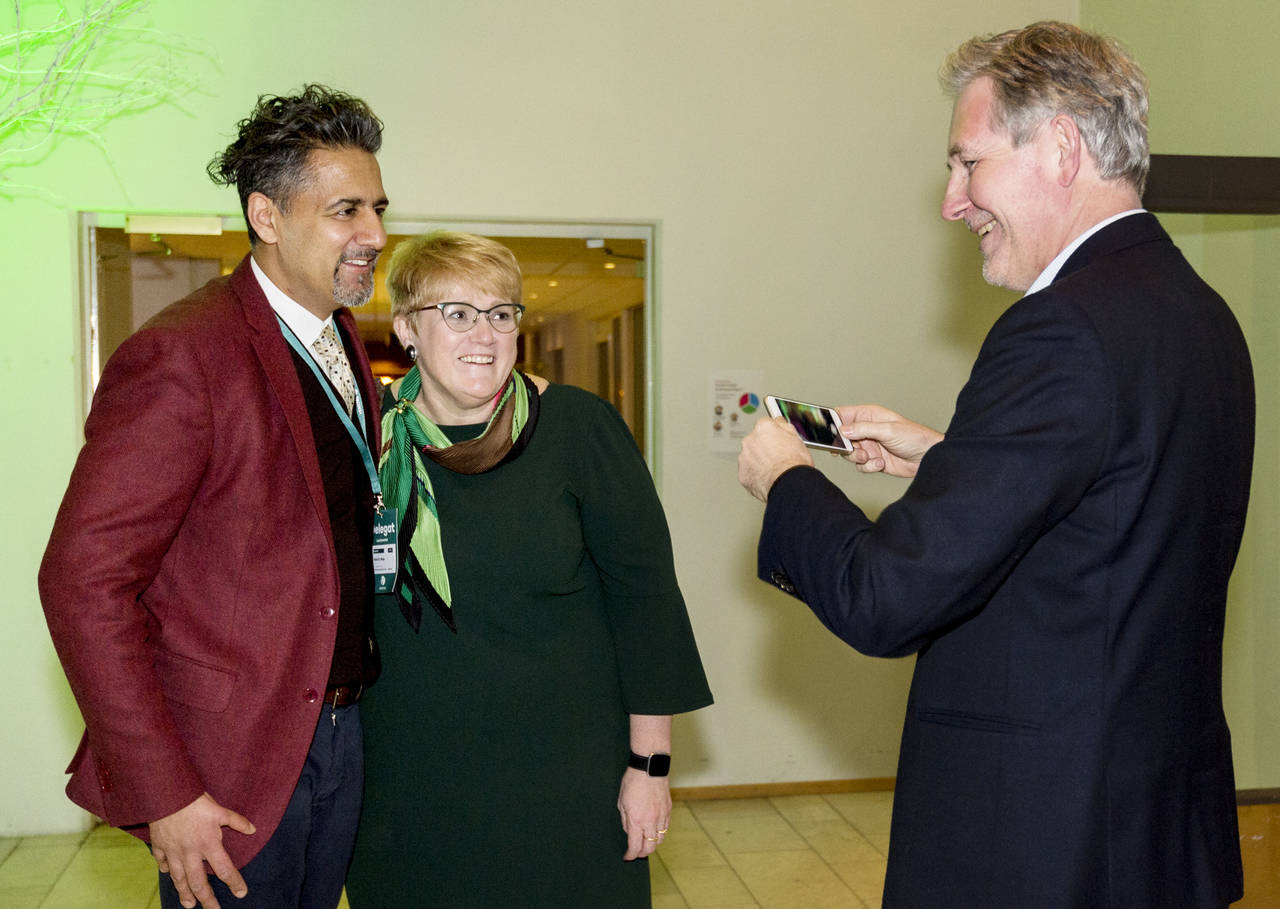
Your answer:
<point x="655" y="764"/>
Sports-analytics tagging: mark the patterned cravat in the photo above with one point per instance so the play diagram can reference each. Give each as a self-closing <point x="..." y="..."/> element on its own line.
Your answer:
<point x="334" y="360"/>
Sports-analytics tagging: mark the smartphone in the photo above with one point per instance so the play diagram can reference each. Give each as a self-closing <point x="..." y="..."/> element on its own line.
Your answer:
<point x="818" y="426"/>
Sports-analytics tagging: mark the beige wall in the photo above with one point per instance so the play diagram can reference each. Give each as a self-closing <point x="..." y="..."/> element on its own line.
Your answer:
<point x="792" y="156"/>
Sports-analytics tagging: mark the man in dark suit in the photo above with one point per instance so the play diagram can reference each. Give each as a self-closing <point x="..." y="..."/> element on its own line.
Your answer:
<point x="1059" y="563"/>
<point x="208" y="583"/>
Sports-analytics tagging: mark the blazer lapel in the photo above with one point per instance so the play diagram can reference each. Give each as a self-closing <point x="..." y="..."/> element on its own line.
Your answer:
<point x="277" y="364"/>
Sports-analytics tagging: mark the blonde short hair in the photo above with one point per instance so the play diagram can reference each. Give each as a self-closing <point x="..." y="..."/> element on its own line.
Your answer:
<point x="425" y="267"/>
<point x="1052" y="68"/>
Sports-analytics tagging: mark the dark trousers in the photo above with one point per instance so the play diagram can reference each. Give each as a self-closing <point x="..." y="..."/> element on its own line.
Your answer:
<point x="304" y="864"/>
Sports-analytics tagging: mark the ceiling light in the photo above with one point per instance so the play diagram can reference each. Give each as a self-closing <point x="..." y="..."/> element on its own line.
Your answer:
<point x="610" y="265"/>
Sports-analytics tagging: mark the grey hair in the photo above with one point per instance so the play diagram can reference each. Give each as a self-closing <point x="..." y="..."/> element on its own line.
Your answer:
<point x="1052" y="68"/>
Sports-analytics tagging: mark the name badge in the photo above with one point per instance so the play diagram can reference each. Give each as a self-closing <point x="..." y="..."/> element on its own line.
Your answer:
<point x="385" y="561"/>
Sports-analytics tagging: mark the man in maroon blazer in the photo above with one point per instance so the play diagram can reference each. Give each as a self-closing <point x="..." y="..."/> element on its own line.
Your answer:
<point x="209" y="580"/>
<point x="1059" y="563"/>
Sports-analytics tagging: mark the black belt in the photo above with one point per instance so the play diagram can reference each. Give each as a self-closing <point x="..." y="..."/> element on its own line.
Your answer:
<point x="342" y="695"/>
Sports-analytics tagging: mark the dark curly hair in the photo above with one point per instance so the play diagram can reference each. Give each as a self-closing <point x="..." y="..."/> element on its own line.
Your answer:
<point x="270" y="152"/>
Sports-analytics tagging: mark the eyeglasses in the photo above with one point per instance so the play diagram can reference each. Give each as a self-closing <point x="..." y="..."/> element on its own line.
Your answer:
<point x="461" y="317"/>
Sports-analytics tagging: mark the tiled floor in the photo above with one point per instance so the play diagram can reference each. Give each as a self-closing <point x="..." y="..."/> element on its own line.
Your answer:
<point x="792" y="852"/>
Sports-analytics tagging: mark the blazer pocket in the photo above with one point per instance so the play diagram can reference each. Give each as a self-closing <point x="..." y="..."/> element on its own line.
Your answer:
<point x="193" y="683"/>
<point x="980" y="722"/>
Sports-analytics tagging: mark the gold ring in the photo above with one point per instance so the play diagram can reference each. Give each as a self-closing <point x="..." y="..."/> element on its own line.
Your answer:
<point x="662" y="831"/>
<point x="651" y="839"/>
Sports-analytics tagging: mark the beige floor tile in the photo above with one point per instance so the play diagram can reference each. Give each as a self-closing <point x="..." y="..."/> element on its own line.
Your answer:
<point x="748" y="833"/>
<point x="865" y="878"/>
<point x="106" y="873"/>
<point x="119" y="890"/>
<point x="102" y="835"/>
<point x="720" y="808"/>
<point x="689" y="847"/>
<point x="669" y="901"/>
<point x="682" y="821"/>
<point x="35" y="865"/>
<point x="7" y="845"/>
<point x="96" y="861"/>
<point x="880" y="841"/>
<point x="800" y="808"/>
<point x="22" y="897"/>
<point x="57" y="839"/>
<point x="659" y="877"/>
<point x="680" y="814"/>
<point x="791" y="880"/>
<point x="837" y="841"/>
<point x="825" y="829"/>
<point x="713" y="888"/>
<point x="869" y="812"/>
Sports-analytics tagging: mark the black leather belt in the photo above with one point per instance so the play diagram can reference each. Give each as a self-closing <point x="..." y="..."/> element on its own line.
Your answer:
<point x="342" y="695"/>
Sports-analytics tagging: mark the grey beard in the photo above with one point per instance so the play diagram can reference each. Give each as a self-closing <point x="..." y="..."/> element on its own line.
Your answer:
<point x="352" y="296"/>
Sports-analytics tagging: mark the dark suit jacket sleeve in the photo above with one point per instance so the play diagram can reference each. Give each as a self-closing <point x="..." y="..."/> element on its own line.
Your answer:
<point x="1028" y="436"/>
<point x="146" y="444"/>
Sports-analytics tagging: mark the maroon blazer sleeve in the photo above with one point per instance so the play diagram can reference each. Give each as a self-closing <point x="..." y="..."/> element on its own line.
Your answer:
<point x="147" y="444"/>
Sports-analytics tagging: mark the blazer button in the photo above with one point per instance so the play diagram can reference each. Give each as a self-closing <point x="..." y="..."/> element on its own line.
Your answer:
<point x="782" y="582"/>
<point x="328" y="612"/>
<point x="311" y="695"/>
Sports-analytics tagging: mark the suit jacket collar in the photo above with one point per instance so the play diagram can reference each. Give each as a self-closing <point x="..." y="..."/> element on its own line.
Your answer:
<point x="277" y="364"/>
<point x="262" y="319"/>
<point x="1129" y="231"/>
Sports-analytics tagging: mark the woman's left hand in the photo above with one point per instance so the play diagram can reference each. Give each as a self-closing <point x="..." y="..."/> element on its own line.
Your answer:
<point x="645" y="805"/>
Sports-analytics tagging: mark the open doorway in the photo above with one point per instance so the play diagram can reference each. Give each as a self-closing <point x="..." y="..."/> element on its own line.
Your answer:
<point x="586" y="288"/>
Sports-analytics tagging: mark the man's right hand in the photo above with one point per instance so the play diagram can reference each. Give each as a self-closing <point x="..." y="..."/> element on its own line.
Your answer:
<point x="191" y="836"/>
<point x="884" y="441"/>
<point x="768" y="451"/>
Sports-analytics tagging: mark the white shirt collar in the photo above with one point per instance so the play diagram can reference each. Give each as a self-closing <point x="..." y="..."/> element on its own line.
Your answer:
<point x="301" y="321"/>
<point x="1051" y="272"/>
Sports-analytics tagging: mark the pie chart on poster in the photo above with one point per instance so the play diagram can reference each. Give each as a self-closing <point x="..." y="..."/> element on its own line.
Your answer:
<point x="749" y="403"/>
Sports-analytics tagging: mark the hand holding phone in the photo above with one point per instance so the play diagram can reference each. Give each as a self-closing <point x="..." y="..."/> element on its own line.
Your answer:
<point x="817" y="425"/>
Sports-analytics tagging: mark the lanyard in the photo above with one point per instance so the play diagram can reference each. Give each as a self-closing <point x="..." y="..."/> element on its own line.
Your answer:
<point x="356" y="435"/>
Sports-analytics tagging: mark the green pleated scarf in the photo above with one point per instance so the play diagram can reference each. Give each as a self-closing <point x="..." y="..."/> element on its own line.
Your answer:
<point x="409" y="437"/>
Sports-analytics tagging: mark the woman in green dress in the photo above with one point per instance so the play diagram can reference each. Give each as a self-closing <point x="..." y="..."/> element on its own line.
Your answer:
<point x="536" y="644"/>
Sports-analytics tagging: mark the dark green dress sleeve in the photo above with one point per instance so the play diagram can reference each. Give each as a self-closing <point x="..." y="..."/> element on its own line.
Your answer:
<point x="626" y="535"/>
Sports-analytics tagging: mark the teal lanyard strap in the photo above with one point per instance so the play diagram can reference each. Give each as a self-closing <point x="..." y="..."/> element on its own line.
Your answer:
<point x="356" y="435"/>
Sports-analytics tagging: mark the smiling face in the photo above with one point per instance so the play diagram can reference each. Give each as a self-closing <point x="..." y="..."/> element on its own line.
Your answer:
<point x="461" y="372"/>
<point x="1005" y="195"/>
<point x="321" y="248"/>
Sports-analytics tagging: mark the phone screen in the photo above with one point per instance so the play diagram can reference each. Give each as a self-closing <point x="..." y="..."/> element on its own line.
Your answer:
<point x="815" y="425"/>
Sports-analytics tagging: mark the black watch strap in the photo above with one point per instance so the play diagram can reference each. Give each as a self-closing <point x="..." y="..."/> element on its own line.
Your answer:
<point x="656" y="764"/>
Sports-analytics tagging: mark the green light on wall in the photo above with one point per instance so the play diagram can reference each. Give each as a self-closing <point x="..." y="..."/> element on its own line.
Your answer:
<point x="65" y="75"/>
